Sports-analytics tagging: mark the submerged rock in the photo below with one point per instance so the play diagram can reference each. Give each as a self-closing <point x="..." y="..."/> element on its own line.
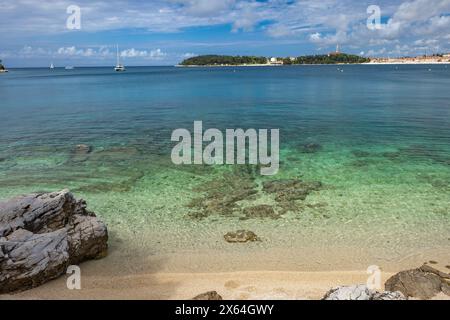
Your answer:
<point x="423" y="283"/>
<point x="391" y="155"/>
<point x="311" y="147"/>
<point x="42" y="234"/>
<point x="361" y="292"/>
<point x="290" y="185"/>
<point x="361" y="154"/>
<point x="241" y="236"/>
<point x="83" y="149"/>
<point x="221" y="195"/>
<point x="280" y="185"/>
<point x="291" y="189"/>
<point x="260" y="211"/>
<point x="210" y="295"/>
<point x="81" y="153"/>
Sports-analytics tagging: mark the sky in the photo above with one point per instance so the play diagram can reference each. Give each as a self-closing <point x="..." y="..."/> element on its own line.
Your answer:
<point x="36" y="33"/>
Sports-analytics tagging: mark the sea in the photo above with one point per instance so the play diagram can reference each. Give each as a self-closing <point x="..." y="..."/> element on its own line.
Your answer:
<point x="376" y="137"/>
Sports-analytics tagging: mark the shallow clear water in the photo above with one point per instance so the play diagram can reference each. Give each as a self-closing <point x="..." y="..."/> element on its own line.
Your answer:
<point x="384" y="159"/>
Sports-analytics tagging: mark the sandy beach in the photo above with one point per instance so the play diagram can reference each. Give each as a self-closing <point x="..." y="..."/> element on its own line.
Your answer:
<point x="257" y="285"/>
<point x="119" y="276"/>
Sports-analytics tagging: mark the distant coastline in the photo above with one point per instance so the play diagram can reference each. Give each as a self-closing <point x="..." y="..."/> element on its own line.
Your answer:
<point x="336" y="58"/>
<point x="235" y="61"/>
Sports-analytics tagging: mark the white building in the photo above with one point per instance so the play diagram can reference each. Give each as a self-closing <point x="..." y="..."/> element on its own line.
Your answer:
<point x="275" y="61"/>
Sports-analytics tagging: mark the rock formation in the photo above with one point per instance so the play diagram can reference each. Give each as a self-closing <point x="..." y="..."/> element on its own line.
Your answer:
<point x="361" y="292"/>
<point x="210" y="295"/>
<point x="42" y="234"/>
<point x="423" y="283"/>
<point x="241" y="236"/>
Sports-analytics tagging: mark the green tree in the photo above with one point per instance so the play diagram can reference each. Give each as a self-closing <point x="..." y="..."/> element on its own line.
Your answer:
<point x="218" y="60"/>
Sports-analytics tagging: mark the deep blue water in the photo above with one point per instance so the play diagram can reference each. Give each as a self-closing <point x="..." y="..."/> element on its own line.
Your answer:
<point x="363" y="104"/>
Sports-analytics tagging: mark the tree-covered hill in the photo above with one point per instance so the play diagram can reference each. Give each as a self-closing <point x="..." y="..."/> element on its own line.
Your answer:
<point x="331" y="59"/>
<point x="220" y="60"/>
<point x="217" y="60"/>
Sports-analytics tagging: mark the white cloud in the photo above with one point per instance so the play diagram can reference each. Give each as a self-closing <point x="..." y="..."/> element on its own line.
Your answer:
<point x="279" y="31"/>
<point x="409" y="21"/>
<point x="105" y="52"/>
<point x="317" y="23"/>
<point x="188" y="55"/>
<point x="73" y="51"/>
<point x="206" y="7"/>
<point x="157" y="53"/>
<point x="133" y="53"/>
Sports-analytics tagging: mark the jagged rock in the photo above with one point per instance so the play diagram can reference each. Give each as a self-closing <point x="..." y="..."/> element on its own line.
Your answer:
<point x="423" y="283"/>
<point x="361" y="292"/>
<point x="241" y="236"/>
<point x="42" y="234"/>
<point x="210" y="295"/>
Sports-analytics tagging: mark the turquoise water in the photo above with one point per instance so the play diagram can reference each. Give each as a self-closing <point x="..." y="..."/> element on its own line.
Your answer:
<point x="378" y="136"/>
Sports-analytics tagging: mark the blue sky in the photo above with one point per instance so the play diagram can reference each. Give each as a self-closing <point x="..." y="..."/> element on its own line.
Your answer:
<point x="164" y="32"/>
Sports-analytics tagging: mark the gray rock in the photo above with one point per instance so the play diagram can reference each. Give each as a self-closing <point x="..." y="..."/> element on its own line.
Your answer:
<point x="389" y="295"/>
<point x="241" y="236"/>
<point x="360" y="292"/>
<point x="423" y="283"/>
<point x="42" y="234"/>
<point x="210" y="295"/>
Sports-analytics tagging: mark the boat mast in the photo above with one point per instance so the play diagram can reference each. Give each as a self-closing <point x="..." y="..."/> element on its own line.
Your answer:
<point x="118" y="61"/>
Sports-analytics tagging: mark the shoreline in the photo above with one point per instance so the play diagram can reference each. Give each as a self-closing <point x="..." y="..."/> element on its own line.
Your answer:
<point x="317" y="64"/>
<point x="240" y="285"/>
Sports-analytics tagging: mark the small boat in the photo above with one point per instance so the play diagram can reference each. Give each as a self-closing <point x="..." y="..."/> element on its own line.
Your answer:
<point x="2" y="68"/>
<point x="52" y="66"/>
<point x="69" y="68"/>
<point x="119" y="67"/>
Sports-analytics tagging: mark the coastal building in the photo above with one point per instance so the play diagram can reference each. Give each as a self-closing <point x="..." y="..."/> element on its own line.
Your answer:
<point x="275" y="61"/>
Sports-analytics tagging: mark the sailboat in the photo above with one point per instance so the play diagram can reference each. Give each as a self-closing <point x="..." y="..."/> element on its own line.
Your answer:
<point x="2" y="68"/>
<point x="52" y="66"/>
<point x="119" y="67"/>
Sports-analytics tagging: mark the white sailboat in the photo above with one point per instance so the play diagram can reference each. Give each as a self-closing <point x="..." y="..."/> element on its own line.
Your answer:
<point x="119" y="67"/>
<point x="52" y="66"/>
<point x="2" y="68"/>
